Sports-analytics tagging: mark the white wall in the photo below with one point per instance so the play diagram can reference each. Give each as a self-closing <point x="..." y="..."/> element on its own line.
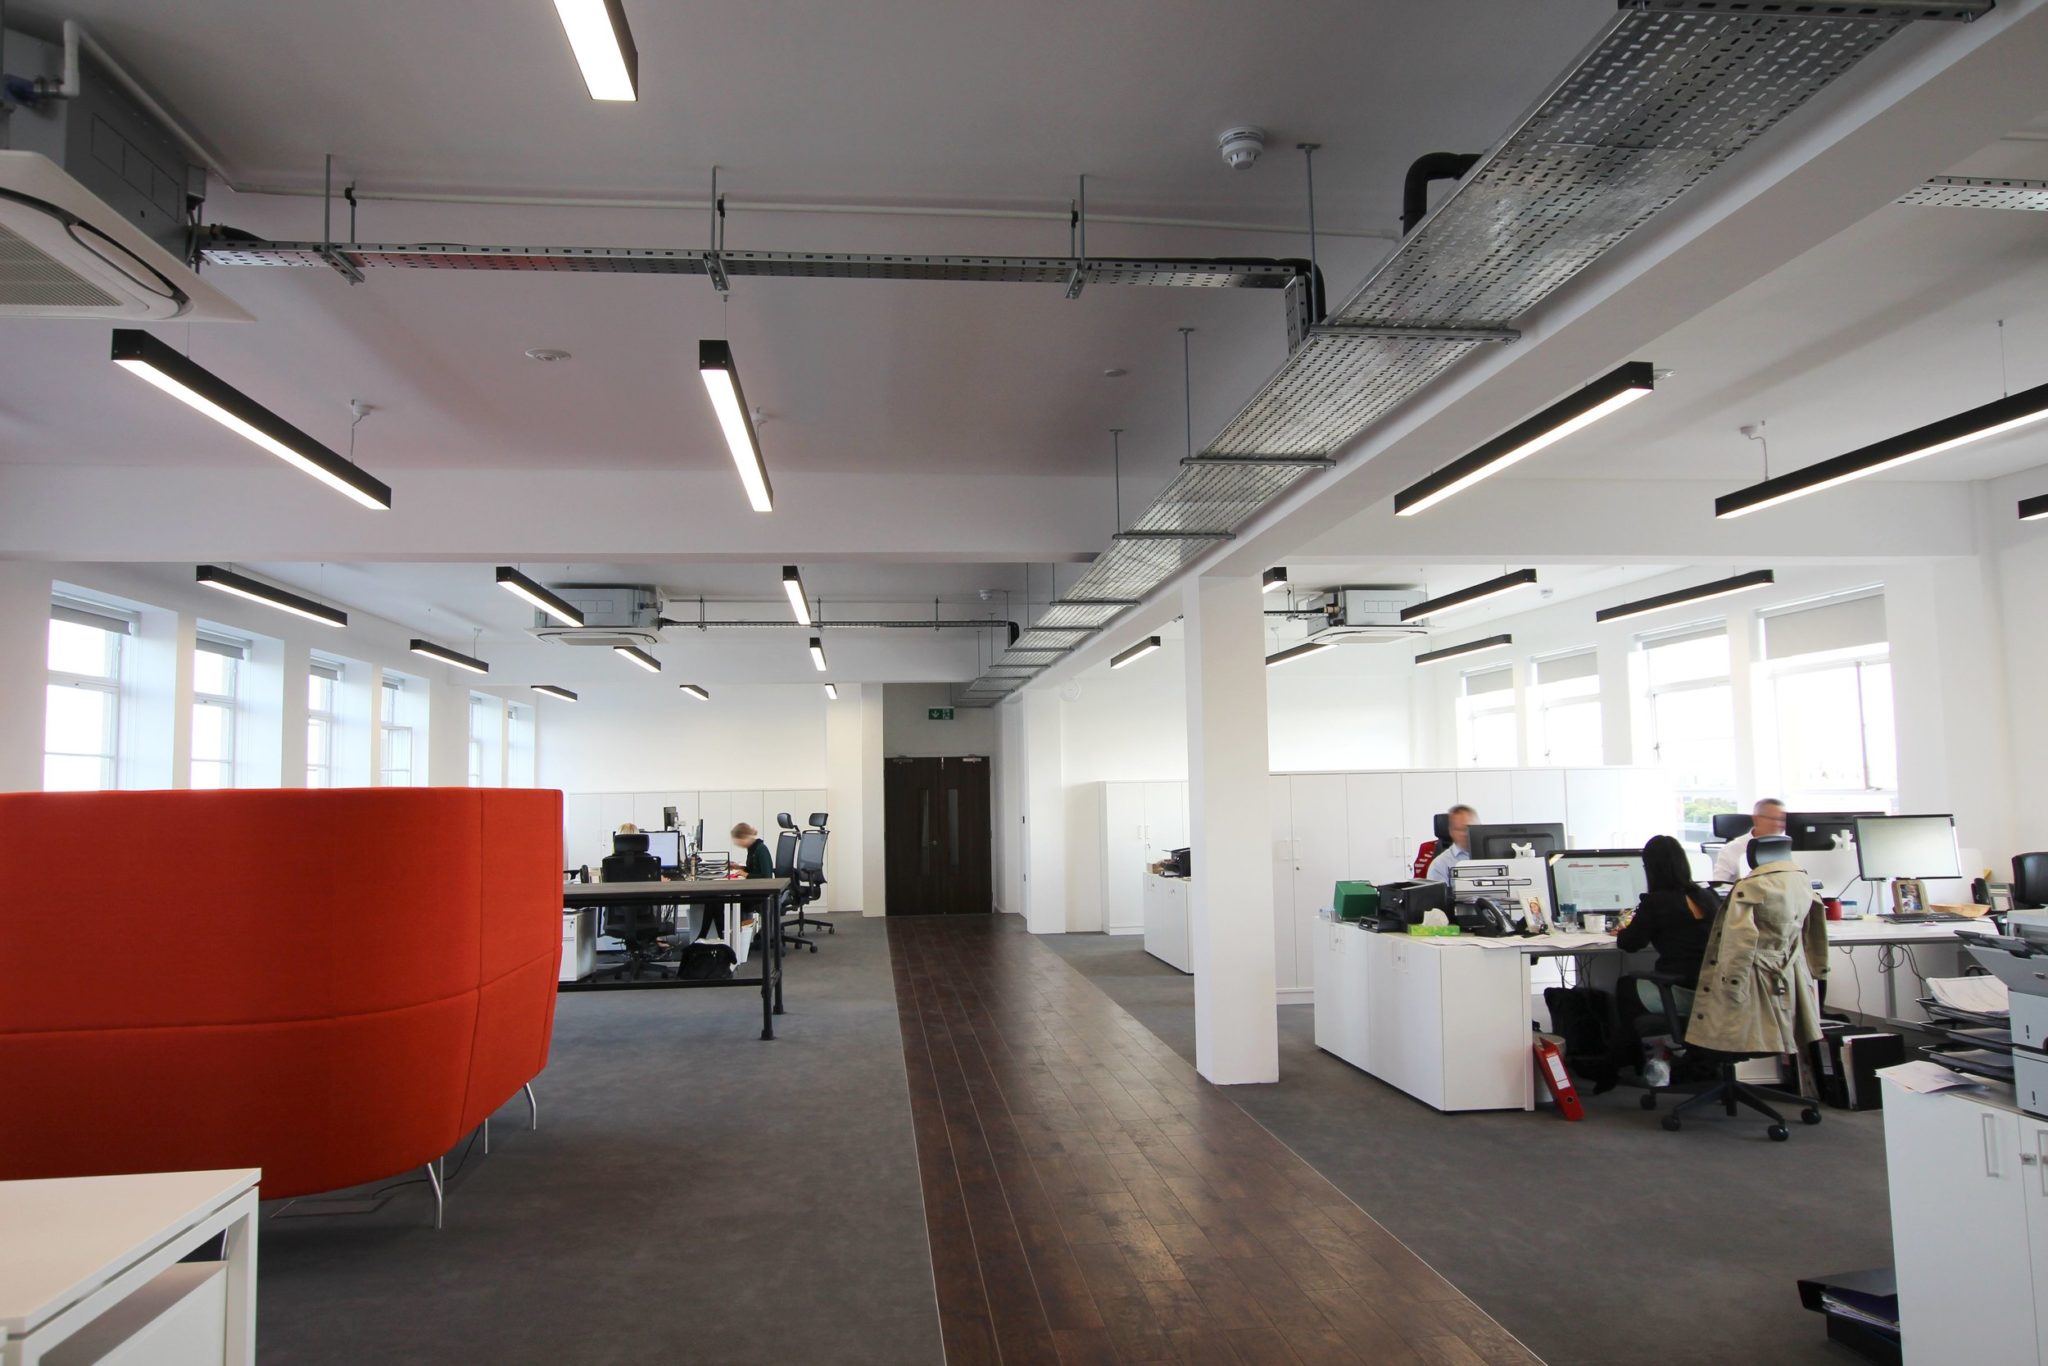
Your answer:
<point x="907" y="730"/>
<point x="2018" y="552"/>
<point x="1342" y="709"/>
<point x="744" y="738"/>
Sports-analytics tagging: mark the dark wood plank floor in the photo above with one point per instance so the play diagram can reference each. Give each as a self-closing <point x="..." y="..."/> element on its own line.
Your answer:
<point x="1091" y="1199"/>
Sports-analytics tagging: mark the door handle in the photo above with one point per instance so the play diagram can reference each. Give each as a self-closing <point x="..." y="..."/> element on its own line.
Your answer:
<point x="2041" y="1156"/>
<point x="1990" y="1146"/>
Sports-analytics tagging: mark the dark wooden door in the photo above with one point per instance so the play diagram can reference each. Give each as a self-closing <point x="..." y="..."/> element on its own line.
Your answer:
<point x="936" y="836"/>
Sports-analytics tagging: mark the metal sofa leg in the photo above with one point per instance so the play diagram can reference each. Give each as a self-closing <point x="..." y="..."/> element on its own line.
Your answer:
<point x="532" y="1107"/>
<point x="434" y="1180"/>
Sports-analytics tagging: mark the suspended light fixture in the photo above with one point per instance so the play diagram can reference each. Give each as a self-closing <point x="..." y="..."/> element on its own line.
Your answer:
<point x="430" y="650"/>
<point x="1135" y="653"/>
<point x="1275" y="579"/>
<point x="142" y="355"/>
<point x="699" y="693"/>
<point x="552" y="691"/>
<point x="722" y="381"/>
<point x="1465" y="597"/>
<point x="793" y="584"/>
<point x="1609" y="394"/>
<point x="242" y="586"/>
<point x="1472" y="647"/>
<point x="818" y="654"/>
<point x="2034" y="509"/>
<point x="1978" y="424"/>
<point x="831" y="692"/>
<point x="603" y="46"/>
<point x="520" y="586"/>
<point x="1294" y="652"/>
<point x="1719" y="588"/>
<point x="638" y="656"/>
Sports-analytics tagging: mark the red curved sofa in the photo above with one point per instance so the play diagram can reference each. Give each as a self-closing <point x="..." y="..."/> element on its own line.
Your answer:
<point x="334" y="986"/>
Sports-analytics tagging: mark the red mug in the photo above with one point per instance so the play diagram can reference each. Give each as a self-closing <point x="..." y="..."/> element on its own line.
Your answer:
<point x="1833" y="906"/>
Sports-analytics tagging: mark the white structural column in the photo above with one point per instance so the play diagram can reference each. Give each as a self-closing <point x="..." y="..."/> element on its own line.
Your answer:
<point x="853" y="794"/>
<point x="25" y="643"/>
<point x="1231" y="896"/>
<point x="1045" y="815"/>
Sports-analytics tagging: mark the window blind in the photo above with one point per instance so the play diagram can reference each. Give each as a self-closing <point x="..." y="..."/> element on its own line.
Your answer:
<point x="226" y="646"/>
<point x="320" y="668"/>
<point x="1842" y="622"/>
<point x="1481" y="681"/>
<point x="1680" y="635"/>
<point x="1564" y="668"/>
<point x="101" y="618"/>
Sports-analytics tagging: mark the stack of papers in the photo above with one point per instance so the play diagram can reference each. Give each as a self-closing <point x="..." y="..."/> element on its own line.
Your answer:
<point x="1927" y="1077"/>
<point x="1978" y="995"/>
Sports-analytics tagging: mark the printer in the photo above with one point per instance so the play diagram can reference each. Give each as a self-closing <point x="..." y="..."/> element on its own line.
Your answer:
<point x="2019" y="958"/>
<point x="1405" y="903"/>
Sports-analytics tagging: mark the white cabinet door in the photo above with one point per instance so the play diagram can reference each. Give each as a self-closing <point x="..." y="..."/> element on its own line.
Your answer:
<point x="1490" y="791"/>
<point x="1380" y="846"/>
<point x="1322" y="857"/>
<point x="1959" y="1229"/>
<point x="1123" y="857"/>
<point x="715" y="810"/>
<point x="584" y="837"/>
<point x="1281" y="810"/>
<point x="2034" y="1178"/>
<point x="1353" y="1015"/>
<point x="797" y="804"/>
<point x="1329" y="1006"/>
<point x="1538" y="795"/>
<point x="1166" y="818"/>
<point x="1425" y="795"/>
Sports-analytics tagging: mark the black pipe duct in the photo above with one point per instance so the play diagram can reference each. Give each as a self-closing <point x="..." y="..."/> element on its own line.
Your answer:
<point x="1415" y="188"/>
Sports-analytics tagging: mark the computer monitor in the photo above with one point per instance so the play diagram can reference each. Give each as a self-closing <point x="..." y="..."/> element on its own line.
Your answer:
<point x="1500" y="841"/>
<point x="1906" y="846"/>
<point x="1815" y="831"/>
<point x="666" y="845"/>
<point x="1600" y="880"/>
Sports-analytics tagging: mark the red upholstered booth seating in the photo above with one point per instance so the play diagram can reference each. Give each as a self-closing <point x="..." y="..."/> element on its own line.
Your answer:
<point x="334" y="986"/>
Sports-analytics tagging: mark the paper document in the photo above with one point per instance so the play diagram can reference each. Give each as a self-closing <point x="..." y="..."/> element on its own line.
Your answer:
<point x="1925" y="1078"/>
<point x="1978" y="995"/>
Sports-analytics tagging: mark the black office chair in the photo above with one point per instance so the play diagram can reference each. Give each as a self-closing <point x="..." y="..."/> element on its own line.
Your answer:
<point x="2029" y="881"/>
<point x="639" y="926"/>
<point x="578" y="874"/>
<point x="803" y="884"/>
<point x="791" y="899"/>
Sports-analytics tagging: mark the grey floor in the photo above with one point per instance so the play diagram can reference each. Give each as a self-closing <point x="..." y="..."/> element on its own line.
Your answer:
<point x="1605" y="1241"/>
<point x="693" y="1193"/>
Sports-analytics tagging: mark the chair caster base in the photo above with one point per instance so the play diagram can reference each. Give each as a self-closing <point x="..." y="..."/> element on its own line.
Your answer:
<point x="1672" y="1123"/>
<point x="1809" y="1115"/>
<point x="1779" y="1133"/>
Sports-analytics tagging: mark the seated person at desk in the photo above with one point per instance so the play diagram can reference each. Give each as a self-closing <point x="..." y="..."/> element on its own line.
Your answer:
<point x="1731" y="861"/>
<point x="1459" y="819"/>
<point x="760" y="863"/>
<point x="1675" y="917"/>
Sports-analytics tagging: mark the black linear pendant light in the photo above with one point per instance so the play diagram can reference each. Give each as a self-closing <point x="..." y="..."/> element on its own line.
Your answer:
<point x="2034" y="509"/>
<point x="1465" y="597"/>
<point x="430" y="650"/>
<point x="1470" y="647"/>
<point x="536" y="593"/>
<point x="1719" y="588"/>
<point x="722" y="381"/>
<point x="242" y="586"/>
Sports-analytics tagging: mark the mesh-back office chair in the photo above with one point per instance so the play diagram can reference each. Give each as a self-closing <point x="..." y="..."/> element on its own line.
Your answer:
<point x="806" y="885"/>
<point x="638" y="926"/>
<point x="2029" y="881"/>
<point x="791" y="900"/>
<point x="1725" y="1090"/>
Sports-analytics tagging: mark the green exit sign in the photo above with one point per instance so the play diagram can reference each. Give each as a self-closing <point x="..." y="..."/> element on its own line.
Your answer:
<point x="938" y="713"/>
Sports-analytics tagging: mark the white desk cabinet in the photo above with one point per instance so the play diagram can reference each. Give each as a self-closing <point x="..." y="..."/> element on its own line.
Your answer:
<point x="1969" y="1198"/>
<point x="1141" y="822"/>
<point x="1166" y="921"/>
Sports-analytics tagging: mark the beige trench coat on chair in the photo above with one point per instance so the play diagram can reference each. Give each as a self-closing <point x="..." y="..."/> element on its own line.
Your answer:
<point x="1768" y="949"/>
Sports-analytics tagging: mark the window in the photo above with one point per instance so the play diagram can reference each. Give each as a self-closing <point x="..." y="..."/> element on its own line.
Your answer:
<point x="82" y="715"/>
<point x="1830" y="689"/>
<point x="394" y="754"/>
<point x="485" y="718"/>
<point x="1567" y="710"/>
<point x="1692" y="719"/>
<point x="519" y="746"/>
<point x="1487" y="734"/>
<point x="322" y="681"/>
<point x="216" y="680"/>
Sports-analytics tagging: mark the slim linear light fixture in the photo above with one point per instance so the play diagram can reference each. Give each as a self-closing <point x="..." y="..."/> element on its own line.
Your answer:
<point x="552" y="691"/>
<point x="1610" y="393"/>
<point x="793" y="584"/>
<point x="818" y="654"/>
<point x="1471" y="647"/>
<point x="447" y="656"/>
<point x="145" y="357"/>
<point x="722" y="381"/>
<point x="699" y="693"/>
<point x="603" y="46"/>
<point x="831" y="692"/>
<point x="1294" y="652"/>
<point x="242" y="586"/>
<point x="520" y="586"/>
<point x="1135" y="653"/>
<point x="2034" y="509"/>
<point x="1719" y="588"/>
<point x="638" y="656"/>
<point x="1992" y="419"/>
<point x="1275" y="579"/>
<point x="1464" y="597"/>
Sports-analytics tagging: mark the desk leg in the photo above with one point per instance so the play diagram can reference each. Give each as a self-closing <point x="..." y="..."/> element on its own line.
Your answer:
<point x="775" y="915"/>
<point x="240" y="1247"/>
<point x="767" y="970"/>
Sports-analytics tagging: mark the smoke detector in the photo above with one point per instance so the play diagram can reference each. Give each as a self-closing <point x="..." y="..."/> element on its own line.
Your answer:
<point x="1241" y="146"/>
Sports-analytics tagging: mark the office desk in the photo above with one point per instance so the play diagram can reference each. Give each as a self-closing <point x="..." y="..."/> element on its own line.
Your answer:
<point x="758" y="892"/>
<point x="1448" y="1019"/>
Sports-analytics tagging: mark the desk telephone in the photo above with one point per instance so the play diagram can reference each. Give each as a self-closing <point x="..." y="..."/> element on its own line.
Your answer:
<point x="1484" y="917"/>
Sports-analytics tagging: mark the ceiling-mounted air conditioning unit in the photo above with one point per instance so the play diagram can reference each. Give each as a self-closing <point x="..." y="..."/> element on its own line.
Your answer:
<point x="613" y="614"/>
<point x="1366" y="616"/>
<point x="93" y="201"/>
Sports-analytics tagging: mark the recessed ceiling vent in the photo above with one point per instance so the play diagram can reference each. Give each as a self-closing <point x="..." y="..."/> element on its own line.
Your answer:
<point x="613" y="614"/>
<point x="1366" y="616"/>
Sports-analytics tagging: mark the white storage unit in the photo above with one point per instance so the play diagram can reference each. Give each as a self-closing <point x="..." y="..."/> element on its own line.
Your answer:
<point x="1140" y="823"/>
<point x="1166" y="921"/>
<point x="1969" y="1199"/>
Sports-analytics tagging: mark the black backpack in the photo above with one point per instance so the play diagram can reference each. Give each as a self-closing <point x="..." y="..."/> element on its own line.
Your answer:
<point x="706" y="962"/>
<point x="1584" y="1018"/>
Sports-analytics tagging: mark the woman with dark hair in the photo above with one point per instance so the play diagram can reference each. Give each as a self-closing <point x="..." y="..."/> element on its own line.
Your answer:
<point x="1675" y="917"/>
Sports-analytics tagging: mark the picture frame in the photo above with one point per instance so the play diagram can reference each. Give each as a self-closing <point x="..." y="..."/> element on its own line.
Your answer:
<point x="1909" y="896"/>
